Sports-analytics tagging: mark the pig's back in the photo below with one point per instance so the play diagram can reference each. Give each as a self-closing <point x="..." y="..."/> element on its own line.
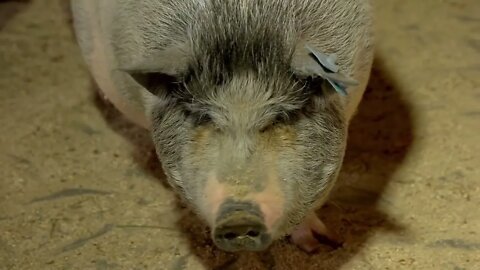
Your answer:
<point x="93" y="23"/>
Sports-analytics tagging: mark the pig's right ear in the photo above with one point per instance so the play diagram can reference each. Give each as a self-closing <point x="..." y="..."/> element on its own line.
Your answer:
<point x="310" y="62"/>
<point x="163" y="68"/>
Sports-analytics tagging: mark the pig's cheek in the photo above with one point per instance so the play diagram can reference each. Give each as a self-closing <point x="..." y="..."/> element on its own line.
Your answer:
<point x="271" y="202"/>
<point x="271" y="208"/>
<point x="213" y="194"/>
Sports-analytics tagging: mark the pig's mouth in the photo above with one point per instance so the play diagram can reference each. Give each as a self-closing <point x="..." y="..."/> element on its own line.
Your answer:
<point x="240" y="227"/>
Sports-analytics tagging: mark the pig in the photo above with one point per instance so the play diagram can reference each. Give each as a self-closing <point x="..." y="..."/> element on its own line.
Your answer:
<point x="248" y="134"/>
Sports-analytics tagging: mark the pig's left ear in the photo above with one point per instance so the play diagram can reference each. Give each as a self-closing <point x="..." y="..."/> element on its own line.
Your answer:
<point x="164" y="67"/>
<point x="310" y="62"/>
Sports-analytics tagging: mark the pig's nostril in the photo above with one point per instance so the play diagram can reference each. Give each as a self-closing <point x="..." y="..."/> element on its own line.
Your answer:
<point x="230" y="236"/>
<point x="253" y="233"/>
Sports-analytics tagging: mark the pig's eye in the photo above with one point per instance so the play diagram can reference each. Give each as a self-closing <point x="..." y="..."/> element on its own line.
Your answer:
<point x="285" y="118"/>
<point x="281" y="118"/>
<point x="203" y="119"/>
<point x="198" y="119"/>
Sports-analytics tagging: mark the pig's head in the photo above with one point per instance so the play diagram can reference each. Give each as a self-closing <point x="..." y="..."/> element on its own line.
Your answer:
<point x="248" y="143"/>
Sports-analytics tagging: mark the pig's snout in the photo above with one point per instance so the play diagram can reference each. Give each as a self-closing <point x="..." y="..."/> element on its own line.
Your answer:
<point x="240" y="226"/>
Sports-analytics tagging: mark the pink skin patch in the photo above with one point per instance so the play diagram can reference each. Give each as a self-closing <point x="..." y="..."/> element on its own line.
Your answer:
<point x="303" y="237"/>
<point x="214" y="194"/>
<point x="304" y="234"/>
<point x="271" y="200"/>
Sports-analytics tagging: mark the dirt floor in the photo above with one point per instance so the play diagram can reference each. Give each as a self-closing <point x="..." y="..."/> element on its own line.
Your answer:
<point x="80" y="187"/>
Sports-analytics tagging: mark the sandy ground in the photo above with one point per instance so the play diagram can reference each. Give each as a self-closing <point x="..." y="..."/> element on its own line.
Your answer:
<point x="80" y="187"/>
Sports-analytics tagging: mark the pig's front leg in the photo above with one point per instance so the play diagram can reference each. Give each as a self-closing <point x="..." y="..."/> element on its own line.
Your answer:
<point x="312" y="233"/>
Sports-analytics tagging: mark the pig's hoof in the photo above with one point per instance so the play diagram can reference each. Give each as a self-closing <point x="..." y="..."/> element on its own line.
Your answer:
<point x="312" y="234"/>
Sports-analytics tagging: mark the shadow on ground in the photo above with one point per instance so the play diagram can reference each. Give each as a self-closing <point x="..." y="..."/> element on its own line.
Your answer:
<point x="143" y="151"/>
<point x="380" y="137"/>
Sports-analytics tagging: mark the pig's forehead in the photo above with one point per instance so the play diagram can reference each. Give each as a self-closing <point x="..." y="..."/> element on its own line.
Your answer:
<point x="247" y="91"/>
<point x="230" y="37"/>
<point x="231" y="68"/>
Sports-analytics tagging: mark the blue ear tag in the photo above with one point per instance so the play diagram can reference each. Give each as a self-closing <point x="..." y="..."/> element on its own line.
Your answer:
<point x="328" y="70"/>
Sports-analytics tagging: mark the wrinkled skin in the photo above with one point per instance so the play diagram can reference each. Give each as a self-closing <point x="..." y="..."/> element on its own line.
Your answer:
<point x="251" y="145"/>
